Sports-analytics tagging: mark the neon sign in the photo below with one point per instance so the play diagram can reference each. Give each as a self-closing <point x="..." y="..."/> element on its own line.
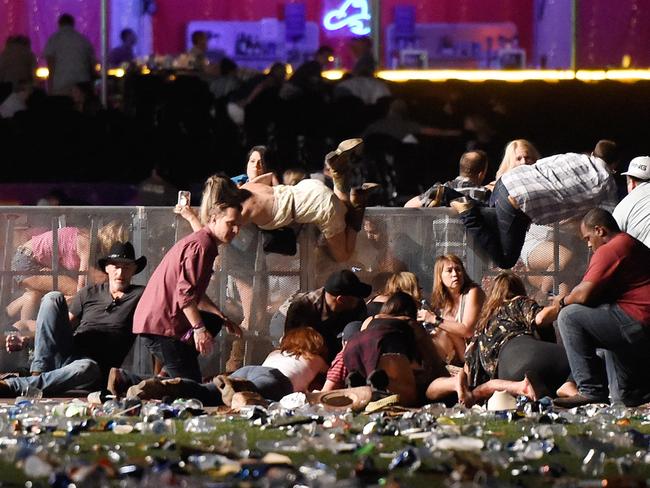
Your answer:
<point x="353" y="14"/>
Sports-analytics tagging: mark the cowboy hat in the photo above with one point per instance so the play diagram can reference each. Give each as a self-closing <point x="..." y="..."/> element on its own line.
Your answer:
<point x="122" y="252"/>
<point x="342" y="400"/>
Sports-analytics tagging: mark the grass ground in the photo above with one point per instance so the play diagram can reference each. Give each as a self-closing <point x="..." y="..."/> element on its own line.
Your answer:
<point x="565" y="459"/>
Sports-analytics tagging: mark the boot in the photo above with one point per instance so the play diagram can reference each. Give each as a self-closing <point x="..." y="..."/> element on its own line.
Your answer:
<point x="236" y="359"/>
<point x="339" y="162"/>
<point x="228" y="386"/>
<point x="156" y="389"/>
<point x="243" y="398"/>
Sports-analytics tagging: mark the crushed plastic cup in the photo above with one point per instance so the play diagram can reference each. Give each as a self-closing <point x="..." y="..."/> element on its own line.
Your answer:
<point x="200" y="425"/>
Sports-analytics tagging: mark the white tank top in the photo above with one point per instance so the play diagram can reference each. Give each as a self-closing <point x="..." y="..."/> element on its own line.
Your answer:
<point x="300" y="370"/>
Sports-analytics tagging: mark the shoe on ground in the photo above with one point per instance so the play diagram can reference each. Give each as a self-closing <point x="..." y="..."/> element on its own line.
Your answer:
<point x="577" y="401"/>
<point x="359" y="195"/>
<point x="6" y="391"/>
<point x="462" y="204"/>
<point x="117" y="383"/>
<point x="228" y="386"/>
<point x="246" y="398"/>
<point x="156" y="389"/>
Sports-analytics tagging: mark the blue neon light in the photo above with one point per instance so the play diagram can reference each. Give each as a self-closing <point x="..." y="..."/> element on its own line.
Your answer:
<point x="353" y="14"/>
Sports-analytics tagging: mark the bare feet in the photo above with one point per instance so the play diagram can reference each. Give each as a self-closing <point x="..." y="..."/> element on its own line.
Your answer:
<point x="465" y="396"/>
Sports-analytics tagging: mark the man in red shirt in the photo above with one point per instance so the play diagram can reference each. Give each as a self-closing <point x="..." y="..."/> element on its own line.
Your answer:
<point x="609" y="309"/>
<point x="171" y="316"/>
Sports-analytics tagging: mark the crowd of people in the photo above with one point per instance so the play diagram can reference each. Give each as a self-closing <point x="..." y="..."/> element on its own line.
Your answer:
<point x="465" y="343"/>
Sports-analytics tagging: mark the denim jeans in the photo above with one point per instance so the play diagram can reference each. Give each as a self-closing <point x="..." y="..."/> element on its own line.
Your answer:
<point x="586" y="329"/>
<point x="270" y="382"/>
<point x="53" y="353"/>
<point x="500" y="231"/>
<point x="178" y="358"/>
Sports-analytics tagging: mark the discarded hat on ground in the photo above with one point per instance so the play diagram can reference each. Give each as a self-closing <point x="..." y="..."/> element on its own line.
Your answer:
<point x="501" y="400"/>
<point x="352" y="328"/>
<point x="346" y="283"/>
<point x="122" y="252"/>
<point x="342" y="400"/>
<point x="639" y="167"/>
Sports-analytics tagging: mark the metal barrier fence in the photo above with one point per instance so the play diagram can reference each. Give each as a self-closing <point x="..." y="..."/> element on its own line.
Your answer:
<point x="251" y="285"/>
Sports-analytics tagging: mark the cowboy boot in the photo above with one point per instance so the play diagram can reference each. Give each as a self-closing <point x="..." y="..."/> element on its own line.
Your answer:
<point x="339" y="162"/>
<point x="236" y="359"/>
<point x="228" y="386"/>
<point x="157" y="388"/>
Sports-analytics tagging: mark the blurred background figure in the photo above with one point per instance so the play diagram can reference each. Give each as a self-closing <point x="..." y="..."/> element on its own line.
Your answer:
<point x="124" y="52"/>
<point x="17" y="61"/>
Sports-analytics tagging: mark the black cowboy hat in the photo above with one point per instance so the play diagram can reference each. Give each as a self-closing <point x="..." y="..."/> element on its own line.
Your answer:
<point x="122" y="252"/>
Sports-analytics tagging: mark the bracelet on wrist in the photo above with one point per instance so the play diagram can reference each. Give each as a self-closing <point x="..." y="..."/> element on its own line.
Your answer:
<point x="561" y="303"/>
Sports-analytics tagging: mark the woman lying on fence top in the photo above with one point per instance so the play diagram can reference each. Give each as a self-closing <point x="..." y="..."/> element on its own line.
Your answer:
<point x="338" y="214"/>
<point x="35" y="255"/>
<point x="456" y="302"/>
<point x="506" y="353"/>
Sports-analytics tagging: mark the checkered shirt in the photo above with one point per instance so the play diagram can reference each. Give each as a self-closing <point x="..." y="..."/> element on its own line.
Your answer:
<point x="561" y="186"/>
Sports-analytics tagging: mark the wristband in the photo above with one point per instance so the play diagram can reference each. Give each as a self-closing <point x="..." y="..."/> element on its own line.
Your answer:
<point x="198" y="326"/>
<point x="561" y="303"/>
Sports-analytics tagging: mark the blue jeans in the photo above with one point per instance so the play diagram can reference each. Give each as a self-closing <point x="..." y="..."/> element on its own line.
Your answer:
<point x="500" y="231"/>
<point x="53" y="353"/>
<point x="585" y="329"/>
<point x="270" y="382"/>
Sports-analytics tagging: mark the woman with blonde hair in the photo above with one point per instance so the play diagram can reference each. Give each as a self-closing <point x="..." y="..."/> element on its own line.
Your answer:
<point x="403" y="281"/>
<point x="516" y="153"/>
<point x="455" y="306"/>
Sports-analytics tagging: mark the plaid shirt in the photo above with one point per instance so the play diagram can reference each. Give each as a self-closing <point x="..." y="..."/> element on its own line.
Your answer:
<point x="561" y="186"/>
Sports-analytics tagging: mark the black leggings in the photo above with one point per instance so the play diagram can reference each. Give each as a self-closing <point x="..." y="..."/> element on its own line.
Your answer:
<point x="545" y="359"/>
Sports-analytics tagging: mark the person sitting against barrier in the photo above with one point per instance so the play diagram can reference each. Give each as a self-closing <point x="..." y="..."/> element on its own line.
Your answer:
<point x="338" y="214"/>
<point x="506" y="352"/>
<point x="176" y="320"/>
<point x="36" y="255"/>
<point x="633" y="212"/>
<point x="402" y="281"/>
<point x="75" y="346"/>
<point x="472" y="169"/>
<point x="608" y="309"/>
<point x="327" y="309"/>
<point x="391" y="352"/>
<point x="551" y="190"/>
<point x="456" y="304"/>
<point x="292" y="367"/>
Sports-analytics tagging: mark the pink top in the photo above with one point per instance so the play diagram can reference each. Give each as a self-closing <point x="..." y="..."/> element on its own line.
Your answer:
<point x="68" y="257"/>
<point x="181" y="278"/>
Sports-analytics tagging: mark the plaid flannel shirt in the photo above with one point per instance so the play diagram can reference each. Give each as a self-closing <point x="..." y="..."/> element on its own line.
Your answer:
<point x="561" y="186"/>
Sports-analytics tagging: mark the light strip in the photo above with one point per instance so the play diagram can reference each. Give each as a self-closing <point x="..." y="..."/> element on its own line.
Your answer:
<point x="503" y="75"/>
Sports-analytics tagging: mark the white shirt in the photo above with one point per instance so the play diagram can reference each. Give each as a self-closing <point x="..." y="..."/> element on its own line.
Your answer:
<point x="300" y="370"/>
<point x="73" y="56"/>
<point x="633" y="213"/>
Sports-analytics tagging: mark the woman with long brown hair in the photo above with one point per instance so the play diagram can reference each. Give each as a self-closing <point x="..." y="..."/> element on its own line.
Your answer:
<point x="455" y="306"/>
<point x="402" y="281"/>
<point x="506" y="352"/>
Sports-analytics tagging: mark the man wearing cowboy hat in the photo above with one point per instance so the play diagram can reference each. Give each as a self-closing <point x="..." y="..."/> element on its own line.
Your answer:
<point x="68" y="358"/>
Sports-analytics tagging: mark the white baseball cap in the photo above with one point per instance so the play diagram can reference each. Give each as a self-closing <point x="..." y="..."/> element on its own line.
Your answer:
<point x="639" y="167"/>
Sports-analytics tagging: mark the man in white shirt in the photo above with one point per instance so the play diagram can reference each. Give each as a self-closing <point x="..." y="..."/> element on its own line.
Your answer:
<point x="633" y="212"/>
<point x="70" y="57"/>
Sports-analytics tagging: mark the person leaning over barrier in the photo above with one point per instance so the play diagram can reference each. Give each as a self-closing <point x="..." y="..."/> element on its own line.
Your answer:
<point x="609" y="309"/>
<point x="68" y="358"/>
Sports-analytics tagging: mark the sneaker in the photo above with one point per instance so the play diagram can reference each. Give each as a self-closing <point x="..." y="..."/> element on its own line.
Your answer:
<point x="228" y="386"/>
<point x="117" y="383"/>
<point x="577" y="401"/>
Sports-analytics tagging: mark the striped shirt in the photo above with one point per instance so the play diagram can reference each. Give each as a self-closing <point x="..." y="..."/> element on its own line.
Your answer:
<point x="561" y="186"/>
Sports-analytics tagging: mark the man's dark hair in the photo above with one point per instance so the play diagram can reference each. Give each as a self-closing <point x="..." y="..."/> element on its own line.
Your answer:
<point x="470" y="165"/>
<point x="601" y="218"/>
<point x="400" y="303"/>
<point x="66" y="19"/>
<point x="607" y="151"/>
<point x="124" y="34"/>
<point x="196" y="36"/>
<point x="227" y="66"/>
